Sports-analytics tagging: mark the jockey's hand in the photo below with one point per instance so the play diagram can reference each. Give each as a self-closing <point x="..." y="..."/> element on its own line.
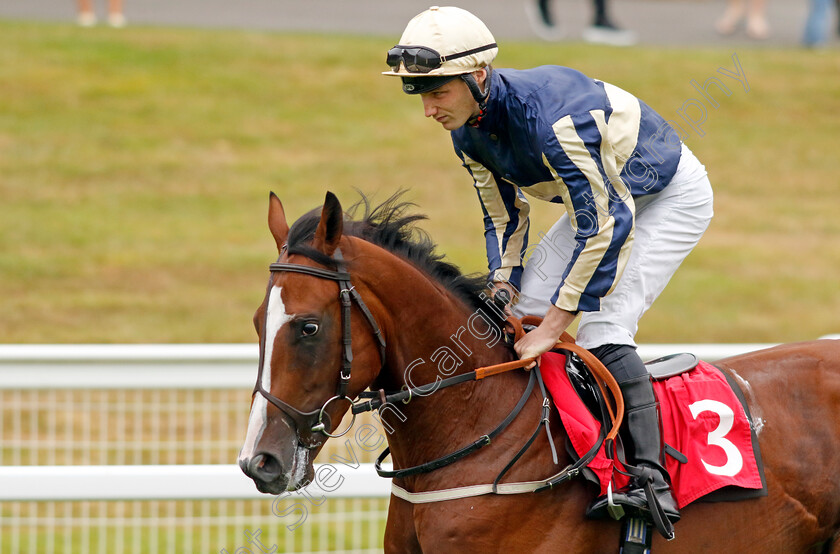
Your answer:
<point x="543" y="338"/>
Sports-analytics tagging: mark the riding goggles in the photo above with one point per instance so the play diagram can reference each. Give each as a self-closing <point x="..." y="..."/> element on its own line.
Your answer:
<point x="421" y="59"/>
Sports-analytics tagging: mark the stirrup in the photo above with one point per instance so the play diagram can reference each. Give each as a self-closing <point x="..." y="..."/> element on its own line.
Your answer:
<point x="608" y="505"/>
<point x="616" y="511"/>
<point x="660" y="519"/>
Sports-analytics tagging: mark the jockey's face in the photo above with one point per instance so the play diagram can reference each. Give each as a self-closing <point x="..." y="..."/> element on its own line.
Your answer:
<point x="452" y="104"/>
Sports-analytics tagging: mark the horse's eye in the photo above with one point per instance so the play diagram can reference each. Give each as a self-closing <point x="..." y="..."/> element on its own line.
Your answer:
<point x="309" y="329"/>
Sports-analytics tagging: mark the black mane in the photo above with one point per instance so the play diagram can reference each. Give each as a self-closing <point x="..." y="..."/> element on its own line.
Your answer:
<point x="391" y="226"/>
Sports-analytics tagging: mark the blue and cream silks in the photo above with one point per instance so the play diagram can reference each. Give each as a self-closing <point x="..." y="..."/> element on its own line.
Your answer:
<point x="555" y="134"/>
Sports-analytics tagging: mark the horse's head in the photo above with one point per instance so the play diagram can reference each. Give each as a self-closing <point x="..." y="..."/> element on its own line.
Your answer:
<point x="311" y="335"/>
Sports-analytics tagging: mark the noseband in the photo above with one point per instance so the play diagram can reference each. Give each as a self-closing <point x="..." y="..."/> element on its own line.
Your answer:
<point x="313" y="427"/>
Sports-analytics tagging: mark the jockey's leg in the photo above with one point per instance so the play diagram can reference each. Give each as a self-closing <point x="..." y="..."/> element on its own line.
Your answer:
<point x="667" y="226"/>
<point x="640" y="433"/>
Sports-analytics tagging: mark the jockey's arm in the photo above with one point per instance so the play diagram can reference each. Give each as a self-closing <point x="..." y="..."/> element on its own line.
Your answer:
<point x="543" y="338"/>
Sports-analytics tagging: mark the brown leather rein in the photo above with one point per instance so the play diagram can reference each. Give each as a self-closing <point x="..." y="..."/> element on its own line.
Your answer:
<point x="378" y="399"/>
<point x="313" y="427"/>
<point x="567" y="342"/>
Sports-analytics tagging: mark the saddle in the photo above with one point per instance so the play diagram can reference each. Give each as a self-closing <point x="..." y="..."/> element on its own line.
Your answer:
<point x="709" y="463"/>
<point x="589" y="393"/>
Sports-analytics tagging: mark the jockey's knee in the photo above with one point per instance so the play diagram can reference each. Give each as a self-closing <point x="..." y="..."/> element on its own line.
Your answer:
<point x="622" y="361"/>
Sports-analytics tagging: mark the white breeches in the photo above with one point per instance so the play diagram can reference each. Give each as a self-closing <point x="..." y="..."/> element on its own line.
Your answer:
<point x="667" y="227"/>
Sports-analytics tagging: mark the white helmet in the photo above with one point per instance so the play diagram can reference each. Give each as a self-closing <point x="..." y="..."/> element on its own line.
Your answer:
<point x="438" y="45"/>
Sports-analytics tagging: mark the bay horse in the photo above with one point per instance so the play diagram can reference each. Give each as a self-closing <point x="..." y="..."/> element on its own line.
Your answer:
<point x="402" y="323"/>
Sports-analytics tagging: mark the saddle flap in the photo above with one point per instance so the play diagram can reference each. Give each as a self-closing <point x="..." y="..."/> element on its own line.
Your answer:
<point x="673" y="364"/>
<point x="706" y="467"/>
<point x="586" y="387"/>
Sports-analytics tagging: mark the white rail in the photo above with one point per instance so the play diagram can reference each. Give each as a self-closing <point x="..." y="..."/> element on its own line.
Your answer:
<point x="128" y="366"/>
<point x="175" y="482"/>
<point x="168" y="404"/>
<point x="192" y="366"/>
<point x="183" y="366"/>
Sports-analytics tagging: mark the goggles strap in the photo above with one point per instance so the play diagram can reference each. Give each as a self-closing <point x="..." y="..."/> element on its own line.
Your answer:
<point x="467" y="52"/>
<point x="395" y="62"/>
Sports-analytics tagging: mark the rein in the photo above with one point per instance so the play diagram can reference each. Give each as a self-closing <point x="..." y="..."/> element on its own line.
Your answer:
<point x="312" y="426"/>
<point x="380" y="398"/>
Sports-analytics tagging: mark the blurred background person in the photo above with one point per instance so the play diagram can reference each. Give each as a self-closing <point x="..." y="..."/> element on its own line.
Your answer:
<point x="755" y="12"/>
<point x="87" y="16"/>
<point x="543" y="22"/>
<point x="602" y="31"/>
<point x="817" y="24"/>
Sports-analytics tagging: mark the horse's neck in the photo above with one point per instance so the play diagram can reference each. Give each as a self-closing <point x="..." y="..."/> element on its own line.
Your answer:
<point x="434" y="336"/>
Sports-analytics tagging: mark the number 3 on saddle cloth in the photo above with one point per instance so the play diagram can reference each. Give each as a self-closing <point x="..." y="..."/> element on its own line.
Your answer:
<point x="704" y="417"/>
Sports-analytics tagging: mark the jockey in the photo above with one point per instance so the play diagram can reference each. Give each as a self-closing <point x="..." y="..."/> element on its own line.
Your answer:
<point x="636" y="203"/>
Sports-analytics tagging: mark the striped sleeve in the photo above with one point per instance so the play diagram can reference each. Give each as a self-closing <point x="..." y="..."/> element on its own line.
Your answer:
<point x="505" y="222"/>
<point x="600" y="208"/>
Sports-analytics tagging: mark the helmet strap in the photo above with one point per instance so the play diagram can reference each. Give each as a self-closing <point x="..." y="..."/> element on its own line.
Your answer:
<point x="479" y="95"/>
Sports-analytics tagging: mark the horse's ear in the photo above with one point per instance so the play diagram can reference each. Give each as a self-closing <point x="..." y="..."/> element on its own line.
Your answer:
<point x="330" y="227"/>
<point x="277" y="221"/>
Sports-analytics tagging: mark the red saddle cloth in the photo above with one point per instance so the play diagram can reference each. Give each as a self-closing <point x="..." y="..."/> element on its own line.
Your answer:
<point x="701" y="417"/>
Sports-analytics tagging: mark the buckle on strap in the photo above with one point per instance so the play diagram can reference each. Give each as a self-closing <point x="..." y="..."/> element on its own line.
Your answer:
<point x="345" y="294"/>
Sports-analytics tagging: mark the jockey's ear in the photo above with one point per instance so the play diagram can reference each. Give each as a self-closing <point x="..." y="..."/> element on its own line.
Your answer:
<point x="480" y="77"/>
<point x="277" y="221"/>
<point x="330" y="227"/>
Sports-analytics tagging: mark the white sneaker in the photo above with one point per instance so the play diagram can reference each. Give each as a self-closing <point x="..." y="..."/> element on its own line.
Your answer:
<point x="613" y="36"/>
<point x="86" y="19"/>
<point x="544" y="28"/>
<point x="116" y="20"/>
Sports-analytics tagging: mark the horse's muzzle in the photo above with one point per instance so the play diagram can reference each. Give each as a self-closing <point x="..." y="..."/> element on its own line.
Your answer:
<point x="266" y="471"/>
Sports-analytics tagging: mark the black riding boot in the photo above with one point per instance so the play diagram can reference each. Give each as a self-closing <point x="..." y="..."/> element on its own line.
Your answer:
<point x="644" y="447"/>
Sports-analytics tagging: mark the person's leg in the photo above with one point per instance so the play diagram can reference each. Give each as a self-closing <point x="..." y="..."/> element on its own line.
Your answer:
<point x="85" y="15"/>
<point x="604" y="31"/>
<point x="816" y="26"/>
<point x="544" y="268"/>
<point x="543" y="19"/>
<point x="640" y="433"/>
<point x="668" y="226"/>
<point x="116" y="18"/>
<point x="757" y="26"/>
<point x="731" y="17"/>
<point x="837" y="14"/>
<point x="543" y="271"/>
<point x="544" y="9"/>
<point x="600" y="13"/>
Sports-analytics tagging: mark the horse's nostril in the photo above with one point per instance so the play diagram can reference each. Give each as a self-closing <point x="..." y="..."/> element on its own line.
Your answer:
<point x="265" y="466"/>
<point x="271" y="465"/>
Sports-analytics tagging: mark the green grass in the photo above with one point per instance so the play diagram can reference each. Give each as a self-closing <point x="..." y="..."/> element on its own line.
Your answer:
<point x="135" y="167"/>
<point x="192" y="526"/>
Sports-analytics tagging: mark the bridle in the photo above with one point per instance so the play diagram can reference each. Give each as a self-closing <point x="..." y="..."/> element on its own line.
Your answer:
<point x="313" y="428"/>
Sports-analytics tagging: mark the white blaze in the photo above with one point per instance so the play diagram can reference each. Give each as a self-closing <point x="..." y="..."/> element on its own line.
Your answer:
<point x="275" y="318"/>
